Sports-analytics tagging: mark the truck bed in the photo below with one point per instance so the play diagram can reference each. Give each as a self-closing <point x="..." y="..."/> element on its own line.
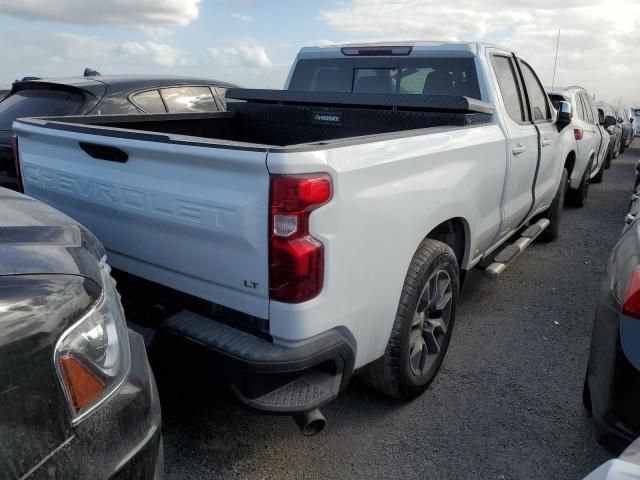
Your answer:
<point x="275" y="118"/>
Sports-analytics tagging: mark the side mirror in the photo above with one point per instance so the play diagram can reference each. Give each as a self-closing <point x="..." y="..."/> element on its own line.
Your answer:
<point x="610" y="121"/>
<point x="564" y="114"/>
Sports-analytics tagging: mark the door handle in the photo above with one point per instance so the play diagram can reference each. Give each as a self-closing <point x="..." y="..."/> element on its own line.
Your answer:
<point x="518" y="149"/>
<point x="546" y="141"/>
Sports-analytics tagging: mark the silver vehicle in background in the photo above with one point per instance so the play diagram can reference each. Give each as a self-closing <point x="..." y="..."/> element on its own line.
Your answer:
<point x="584" y="140"/>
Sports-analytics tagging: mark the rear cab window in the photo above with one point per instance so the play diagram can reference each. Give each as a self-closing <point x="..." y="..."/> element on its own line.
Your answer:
<point x="40" y="103"/>
<point x="415" y="76"/>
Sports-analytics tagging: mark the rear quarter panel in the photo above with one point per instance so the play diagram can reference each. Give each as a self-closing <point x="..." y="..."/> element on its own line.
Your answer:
<point x="388" y="195"/>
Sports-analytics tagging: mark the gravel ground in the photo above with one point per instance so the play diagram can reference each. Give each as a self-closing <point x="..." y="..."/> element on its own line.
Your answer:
<point x="506" y="405"/>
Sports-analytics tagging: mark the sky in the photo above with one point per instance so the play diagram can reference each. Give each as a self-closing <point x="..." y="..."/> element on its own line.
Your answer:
<point x="253" y="42"/>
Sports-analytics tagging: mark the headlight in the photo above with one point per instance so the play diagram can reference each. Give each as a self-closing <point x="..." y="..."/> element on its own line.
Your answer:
<point x="92" y="357"/>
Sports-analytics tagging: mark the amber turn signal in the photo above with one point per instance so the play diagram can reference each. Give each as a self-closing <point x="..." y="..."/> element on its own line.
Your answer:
<point x="83" y="386"/>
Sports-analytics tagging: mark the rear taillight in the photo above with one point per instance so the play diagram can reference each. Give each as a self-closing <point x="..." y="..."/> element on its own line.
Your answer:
<point x="296" y="259"/>
<point x="578" y="133"/>
<point x="16" y="159"/>
<point x="631" y="297"/>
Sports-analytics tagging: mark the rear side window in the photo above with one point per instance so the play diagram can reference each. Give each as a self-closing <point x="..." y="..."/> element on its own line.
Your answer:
<point x="149" y="101"/>
<point x="189" y="99"/>
<point x="222" y="96"/>
<point x="509" y="88"/>
<point x="39" y="103"/>
<point x="429" y="76"/>
<point x="588" y="109"/>
<point x="579" y="108"/>
<point x="537" y="96"/>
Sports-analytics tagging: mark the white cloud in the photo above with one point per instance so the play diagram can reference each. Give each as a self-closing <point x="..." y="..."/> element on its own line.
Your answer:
<point x="597" y="45"/>
<point x="159" y="53"/>
<point x="66" y="54"/>
<point x="243" y="53"/>
<point x="156" y="33"/>
<point x="242" y="18"/>
<point x="111" y="12"/>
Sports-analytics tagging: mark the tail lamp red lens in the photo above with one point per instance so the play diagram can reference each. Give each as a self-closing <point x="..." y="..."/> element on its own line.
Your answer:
<point x="16" y="159"/>
<point x="296" y="259"/>
<point x="631" y="297"/>
<point x="578" y="133"/>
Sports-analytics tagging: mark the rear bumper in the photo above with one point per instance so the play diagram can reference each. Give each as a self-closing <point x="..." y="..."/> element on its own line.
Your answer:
<point x="122" y="439"/>
<point x="265" y="376"/>
<point x="614" y="383"/>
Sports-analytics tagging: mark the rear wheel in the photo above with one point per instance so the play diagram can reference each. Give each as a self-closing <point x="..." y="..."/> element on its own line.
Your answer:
<point x="578" y="197"/>
<point x="554" y="213"/>
<point x="598" y="177"/>
<point x="423" y="325"/>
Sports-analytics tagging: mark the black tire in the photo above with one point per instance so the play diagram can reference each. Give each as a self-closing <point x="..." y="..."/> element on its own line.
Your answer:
<point x="598" y="177"/>
<point x="394" y="374"/>
<point x="554" y="213"/>
<point x="578" y="197"/>
<point x="607" y="161"/>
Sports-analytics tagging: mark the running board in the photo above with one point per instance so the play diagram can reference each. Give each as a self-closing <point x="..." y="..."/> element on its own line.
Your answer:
<point x="508" y="254"/>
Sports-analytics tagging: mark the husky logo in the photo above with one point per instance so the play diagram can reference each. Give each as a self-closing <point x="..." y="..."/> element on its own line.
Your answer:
<point x="327" y="118"/>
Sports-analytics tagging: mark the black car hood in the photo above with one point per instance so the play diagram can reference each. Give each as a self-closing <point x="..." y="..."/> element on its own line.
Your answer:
<point x="37" y="239"/>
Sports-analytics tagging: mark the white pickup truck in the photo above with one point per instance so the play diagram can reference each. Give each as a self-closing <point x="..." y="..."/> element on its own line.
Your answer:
<point x="315" y="231"/>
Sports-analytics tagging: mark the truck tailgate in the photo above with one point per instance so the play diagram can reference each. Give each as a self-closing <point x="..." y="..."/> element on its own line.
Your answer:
<point x="192" y="217"/>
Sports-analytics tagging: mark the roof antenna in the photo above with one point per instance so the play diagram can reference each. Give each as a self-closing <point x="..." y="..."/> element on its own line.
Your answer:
<point x="555" y="63"/>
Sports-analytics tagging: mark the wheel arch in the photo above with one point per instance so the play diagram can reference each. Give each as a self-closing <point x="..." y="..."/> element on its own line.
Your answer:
<point x="570" y="162"/>
<point x="454" y="232"/>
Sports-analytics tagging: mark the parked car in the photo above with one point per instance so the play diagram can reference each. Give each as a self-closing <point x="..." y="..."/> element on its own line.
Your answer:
<point x="323" y="228"/>
<point x="636" y="116"/>
<point x="102" y="95"/>
<point x="625" y="120"/>
<point x="584" y="140"/>
<point x="612" y="385"/>
<point x="78" y="396"/>
<point x="613" y="127"/>
<point x="626" y="467"/>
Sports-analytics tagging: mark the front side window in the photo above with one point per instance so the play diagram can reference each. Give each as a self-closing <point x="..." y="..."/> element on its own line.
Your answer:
<point x="540" y="110"/>
<point x="189" y="99"/>
<point x="509" y="89"/>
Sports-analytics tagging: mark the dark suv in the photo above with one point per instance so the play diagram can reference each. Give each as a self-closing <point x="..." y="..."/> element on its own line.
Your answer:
<point x="77" y="395"/>
<point x="102" y="95"/>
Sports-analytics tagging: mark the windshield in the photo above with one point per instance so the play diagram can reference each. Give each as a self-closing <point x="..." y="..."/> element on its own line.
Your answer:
<point x="417" y="76"/>
<point x="39" y="103"/>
